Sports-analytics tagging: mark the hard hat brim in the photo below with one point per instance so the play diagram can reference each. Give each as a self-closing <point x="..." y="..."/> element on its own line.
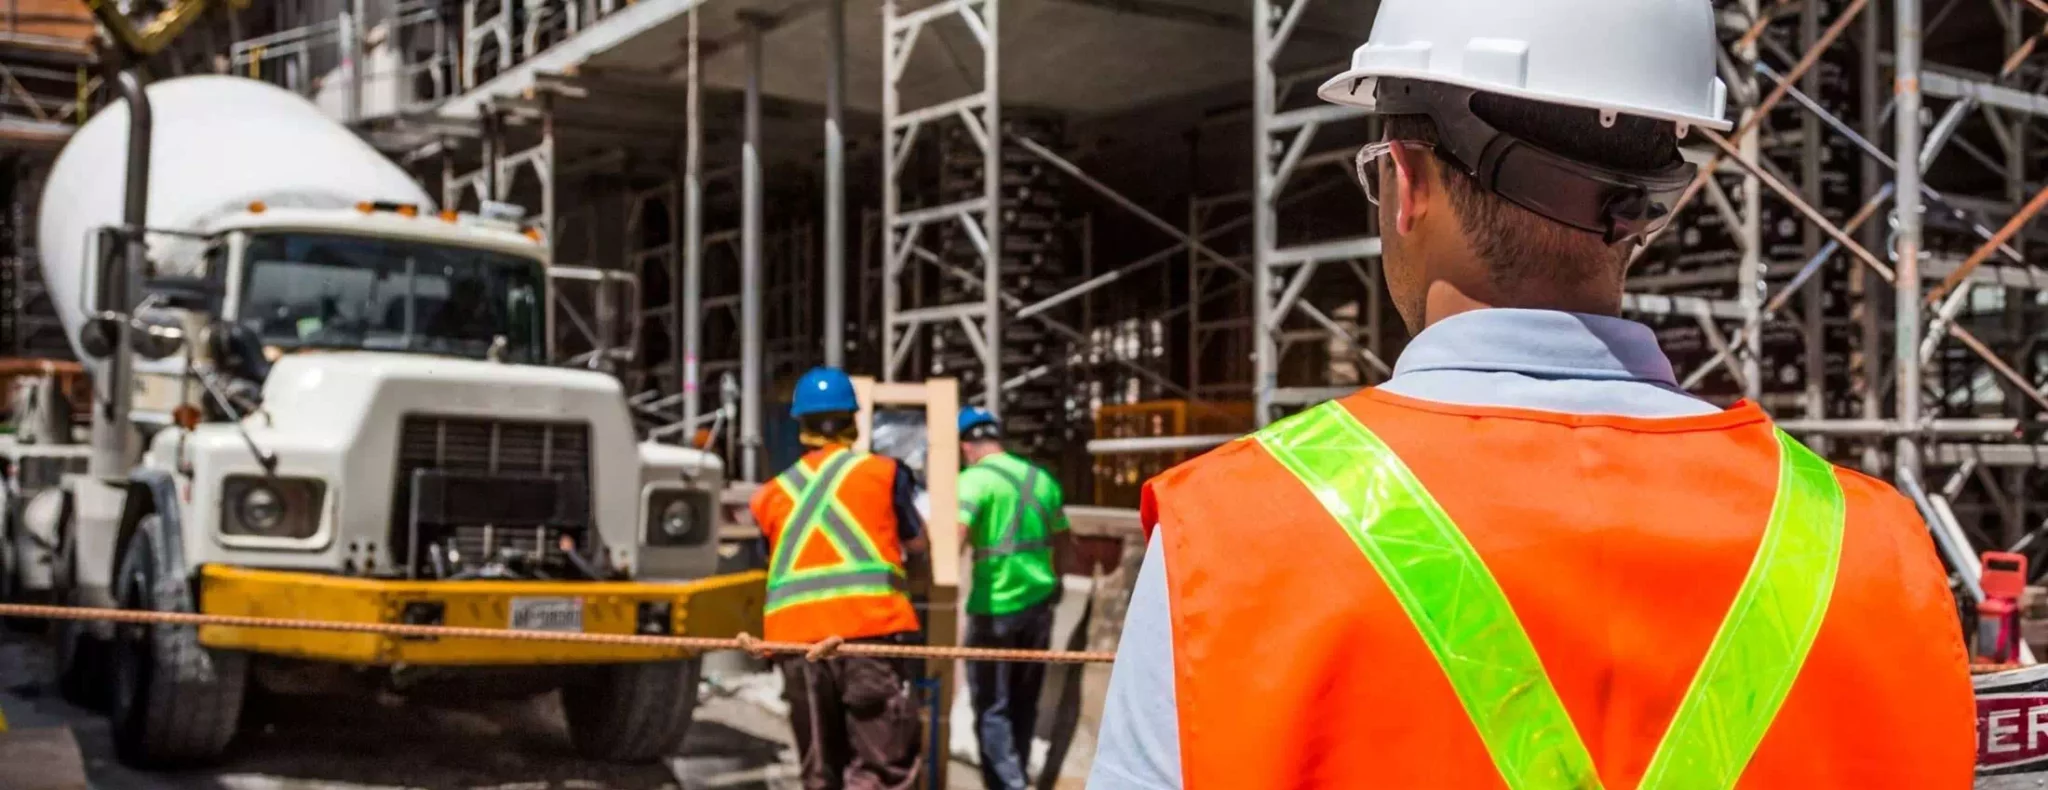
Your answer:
<point x="1354" y="88"/>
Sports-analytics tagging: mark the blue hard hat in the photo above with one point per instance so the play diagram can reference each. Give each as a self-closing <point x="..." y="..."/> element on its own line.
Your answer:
<point x="823" y="390"/>
<point x="973" y="416"/>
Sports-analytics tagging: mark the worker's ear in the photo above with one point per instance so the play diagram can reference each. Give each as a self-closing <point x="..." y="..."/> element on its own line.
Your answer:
<point x="1415" y="185"/>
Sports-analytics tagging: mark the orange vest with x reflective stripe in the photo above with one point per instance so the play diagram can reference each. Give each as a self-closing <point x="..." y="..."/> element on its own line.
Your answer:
<point x="835" y="563"/>
<point x="1621" y="545"/>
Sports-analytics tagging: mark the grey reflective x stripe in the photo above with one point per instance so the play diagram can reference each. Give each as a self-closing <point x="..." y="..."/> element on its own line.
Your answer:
<point x="798" y="478"/>
<point x="1008" y="542"/>
<point x="817" y="584"/>
<point x="1007" y="549"/>
<point x="817" y="493"/>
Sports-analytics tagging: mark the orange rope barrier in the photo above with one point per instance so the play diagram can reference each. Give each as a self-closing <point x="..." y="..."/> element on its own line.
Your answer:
<point x="814" y="652"/>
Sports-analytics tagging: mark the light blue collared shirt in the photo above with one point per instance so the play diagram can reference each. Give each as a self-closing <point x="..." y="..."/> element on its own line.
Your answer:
<point x="1529" y="359"/>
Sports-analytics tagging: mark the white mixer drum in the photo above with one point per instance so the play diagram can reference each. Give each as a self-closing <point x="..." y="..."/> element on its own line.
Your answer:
<point x="219" y="143"/>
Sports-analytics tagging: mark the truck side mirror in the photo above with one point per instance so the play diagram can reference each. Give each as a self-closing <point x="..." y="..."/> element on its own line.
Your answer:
<point x="97" y="336"/>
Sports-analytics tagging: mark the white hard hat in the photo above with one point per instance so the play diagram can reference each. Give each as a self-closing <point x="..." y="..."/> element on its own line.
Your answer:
<point x="1650" y="58"/>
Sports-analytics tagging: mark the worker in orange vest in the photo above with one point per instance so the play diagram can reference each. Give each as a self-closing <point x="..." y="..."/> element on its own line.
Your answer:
<point x="1529" y="559"/>
<point x="840" y="525"/>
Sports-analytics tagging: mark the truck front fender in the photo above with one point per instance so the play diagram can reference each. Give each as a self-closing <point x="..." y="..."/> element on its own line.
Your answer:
<point x="156" y="491"/>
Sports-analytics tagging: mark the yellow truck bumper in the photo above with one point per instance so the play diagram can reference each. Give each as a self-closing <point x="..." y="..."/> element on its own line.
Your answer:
<point x="719" y="606"/>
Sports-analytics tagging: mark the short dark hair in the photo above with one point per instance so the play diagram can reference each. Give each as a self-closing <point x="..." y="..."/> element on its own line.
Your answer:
<point x="1515" y="242"/>
<point x="983" y="432"/>
<point x="830" y="425"/>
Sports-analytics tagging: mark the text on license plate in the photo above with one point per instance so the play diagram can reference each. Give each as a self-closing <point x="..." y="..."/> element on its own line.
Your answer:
<point x="547" y="614"/>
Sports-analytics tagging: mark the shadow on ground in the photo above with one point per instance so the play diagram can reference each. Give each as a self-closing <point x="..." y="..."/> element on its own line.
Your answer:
<point x="351" y="742"/>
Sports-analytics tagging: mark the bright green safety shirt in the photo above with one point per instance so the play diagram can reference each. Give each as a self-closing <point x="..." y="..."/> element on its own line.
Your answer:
<point x="1011" y="509"/>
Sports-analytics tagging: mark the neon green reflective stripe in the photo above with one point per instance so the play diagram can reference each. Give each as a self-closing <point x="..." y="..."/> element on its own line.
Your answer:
<point x="1446" y="590"/>
<point x="1761" y="645"/>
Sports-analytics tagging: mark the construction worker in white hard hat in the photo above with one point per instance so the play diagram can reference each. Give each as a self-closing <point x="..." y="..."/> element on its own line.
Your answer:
<point x="1529" y="559"/>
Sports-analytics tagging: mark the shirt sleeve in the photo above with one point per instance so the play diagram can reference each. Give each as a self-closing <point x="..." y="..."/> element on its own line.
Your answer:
<point x="970" y="492"/>
<point x="909" y="524"/>
<point x="1138" y="747"/>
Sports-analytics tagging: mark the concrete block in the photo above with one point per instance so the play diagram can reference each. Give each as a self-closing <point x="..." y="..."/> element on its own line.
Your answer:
<point x="41" y="758"/>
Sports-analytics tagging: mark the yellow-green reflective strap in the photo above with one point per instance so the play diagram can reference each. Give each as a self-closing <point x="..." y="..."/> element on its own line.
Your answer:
<point x="1446" y="590"/>
<point x="1763" y="642"/>
<point x="1470" y="627"/>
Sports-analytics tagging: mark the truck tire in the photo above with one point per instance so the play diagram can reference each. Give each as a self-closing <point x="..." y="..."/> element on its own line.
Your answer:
<point x="631" y="713"/>
<point x="10" y="578"/>
<point x="81" y="655"/>
<point x="175" y="702"/>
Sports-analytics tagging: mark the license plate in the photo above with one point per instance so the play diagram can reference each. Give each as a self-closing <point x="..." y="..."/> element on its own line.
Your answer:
<point x="547" y="614"/>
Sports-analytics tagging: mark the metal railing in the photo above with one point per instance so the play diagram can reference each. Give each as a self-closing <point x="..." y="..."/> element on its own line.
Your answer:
<point x="413" y="59"/>
<point x="402" y="63"/>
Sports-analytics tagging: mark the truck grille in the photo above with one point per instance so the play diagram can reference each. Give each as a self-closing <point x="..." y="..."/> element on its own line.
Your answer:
<point x="482" y="447"/>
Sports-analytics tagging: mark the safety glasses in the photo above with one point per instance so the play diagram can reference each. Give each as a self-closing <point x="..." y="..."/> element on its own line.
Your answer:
<point x="1368" y="164"/>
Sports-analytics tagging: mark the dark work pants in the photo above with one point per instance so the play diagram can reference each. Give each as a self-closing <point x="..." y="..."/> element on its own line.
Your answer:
<point x="1005" y="693"/>
<point x="856" y="726"/>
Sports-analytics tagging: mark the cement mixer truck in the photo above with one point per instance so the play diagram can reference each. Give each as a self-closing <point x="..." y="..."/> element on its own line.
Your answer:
<point x="319" y="397"/>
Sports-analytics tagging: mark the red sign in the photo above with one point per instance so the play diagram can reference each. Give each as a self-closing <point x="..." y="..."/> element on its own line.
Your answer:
<point x="2012" y="730"/>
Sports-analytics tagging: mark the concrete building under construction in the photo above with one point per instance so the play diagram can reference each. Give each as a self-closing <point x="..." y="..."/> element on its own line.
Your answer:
<point x="1129" y="227"/>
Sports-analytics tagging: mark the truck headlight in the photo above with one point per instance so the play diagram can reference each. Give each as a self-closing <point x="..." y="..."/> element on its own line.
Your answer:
<point x="283" y="507"/>
<point x="678" y="517"/>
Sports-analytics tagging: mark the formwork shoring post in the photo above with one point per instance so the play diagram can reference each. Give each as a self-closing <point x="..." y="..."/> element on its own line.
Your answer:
<point x="992" y="216"/>
<point x="750" y="263"/>
<point x="2018" y="321"/>
<point x="691" y="301"/>
<point x="892" y="198"/>
<point x="1869" y="305"/>
<point x="1907" y="324"/>
<point x="1265" y="216"/>
<point x="835" y="184"/>
<point x="1811" y="146"/>
<point x="1749" y="277"/>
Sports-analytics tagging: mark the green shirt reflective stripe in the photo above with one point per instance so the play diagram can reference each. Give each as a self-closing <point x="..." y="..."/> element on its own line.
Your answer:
<point x="1469" y="625"/>
<point x="818" y="515"/>
<point x="1011" y="509"/>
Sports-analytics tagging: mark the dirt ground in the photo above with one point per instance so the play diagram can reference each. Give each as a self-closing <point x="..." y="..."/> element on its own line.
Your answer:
<point x="329" y="743"/>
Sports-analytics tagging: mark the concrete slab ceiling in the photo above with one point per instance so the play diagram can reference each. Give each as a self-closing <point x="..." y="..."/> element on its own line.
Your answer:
<point x="1080" y="56"/>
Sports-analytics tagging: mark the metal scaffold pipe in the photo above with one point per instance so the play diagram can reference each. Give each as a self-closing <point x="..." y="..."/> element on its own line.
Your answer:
<point x="110" y="434"/>
<point x="750" y="266"/>
<point x="835" y="185"/>
<point x="692" y="300"/>
<point x="1265" y="349"/>
<point x="1907" y="306"/>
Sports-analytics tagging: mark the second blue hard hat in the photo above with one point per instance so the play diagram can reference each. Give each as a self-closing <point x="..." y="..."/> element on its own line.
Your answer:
<point x="974" y="416"/>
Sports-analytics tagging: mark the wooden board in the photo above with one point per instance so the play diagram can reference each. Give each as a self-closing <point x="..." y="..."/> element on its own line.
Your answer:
<point x="940" y="399"/>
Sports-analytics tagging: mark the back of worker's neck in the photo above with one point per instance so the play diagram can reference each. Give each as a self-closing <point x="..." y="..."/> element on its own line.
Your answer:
<point x="1445" y="299"/>
<point x="975" y="453"/>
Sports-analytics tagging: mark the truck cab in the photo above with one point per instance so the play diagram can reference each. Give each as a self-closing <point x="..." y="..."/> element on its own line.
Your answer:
<point x="350" y="414"/>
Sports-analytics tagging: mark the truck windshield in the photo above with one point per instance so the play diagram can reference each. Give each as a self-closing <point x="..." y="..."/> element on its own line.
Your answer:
<point x="303" y="290"/>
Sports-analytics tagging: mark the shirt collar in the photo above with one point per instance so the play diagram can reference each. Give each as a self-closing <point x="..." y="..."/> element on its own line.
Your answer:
<point x="1546" y="343"/>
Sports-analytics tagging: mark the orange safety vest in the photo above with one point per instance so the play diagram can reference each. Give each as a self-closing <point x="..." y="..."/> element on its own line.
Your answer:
<point x="835" y="566"/>
<point x="1428" y="595"/>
